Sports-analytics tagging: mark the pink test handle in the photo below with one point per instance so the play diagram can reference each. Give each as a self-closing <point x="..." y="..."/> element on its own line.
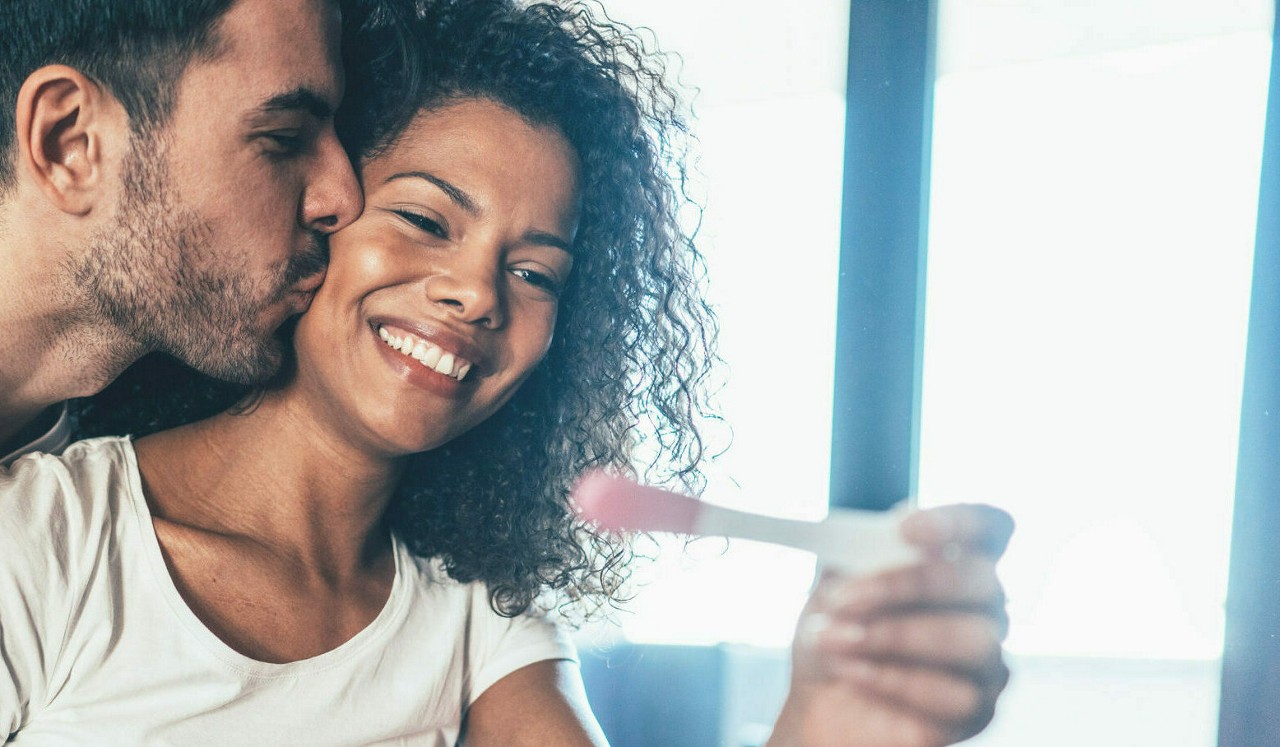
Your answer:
<point x="620" y="505"/>
<point x="856" y="542"/>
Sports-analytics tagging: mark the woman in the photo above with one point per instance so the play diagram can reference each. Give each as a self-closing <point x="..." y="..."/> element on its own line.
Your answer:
<point x="358" y="554"/>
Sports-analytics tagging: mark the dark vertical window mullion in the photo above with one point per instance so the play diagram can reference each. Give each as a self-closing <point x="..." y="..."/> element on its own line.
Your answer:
<point x="880" y="308"/>
<point x="1249" y="715"/>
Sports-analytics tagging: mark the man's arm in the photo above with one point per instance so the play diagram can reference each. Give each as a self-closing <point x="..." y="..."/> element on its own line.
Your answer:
<point x="537" y="705"/>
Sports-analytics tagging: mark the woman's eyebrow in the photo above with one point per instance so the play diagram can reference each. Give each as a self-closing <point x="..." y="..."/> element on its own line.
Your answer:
<point x="462" y="199"/>
<point x="543" y="238"/>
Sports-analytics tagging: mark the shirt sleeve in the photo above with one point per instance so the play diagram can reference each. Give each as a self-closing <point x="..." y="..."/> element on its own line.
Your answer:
<point x="501" y="645"/>
<point x="44" y="539"/>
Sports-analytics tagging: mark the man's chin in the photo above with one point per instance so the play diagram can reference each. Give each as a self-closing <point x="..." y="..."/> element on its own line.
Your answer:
<point x="240" y="362"/>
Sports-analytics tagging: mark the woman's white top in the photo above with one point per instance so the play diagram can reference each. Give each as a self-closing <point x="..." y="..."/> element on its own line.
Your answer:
<point x="98" y="648"/>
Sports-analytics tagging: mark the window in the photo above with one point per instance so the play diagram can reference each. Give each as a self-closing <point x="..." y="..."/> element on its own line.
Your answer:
<point x="1092" y="189"/>
<point x="1093" y="204"/>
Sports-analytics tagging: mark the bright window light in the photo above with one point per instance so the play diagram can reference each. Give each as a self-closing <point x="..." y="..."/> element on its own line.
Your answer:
<point x="1094" y="195"/>
<point x="770" y="118"/>
<point x="1090" y="257"/>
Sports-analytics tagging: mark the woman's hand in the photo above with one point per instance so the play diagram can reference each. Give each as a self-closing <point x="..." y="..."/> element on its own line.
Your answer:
<point x="909" y="657"/>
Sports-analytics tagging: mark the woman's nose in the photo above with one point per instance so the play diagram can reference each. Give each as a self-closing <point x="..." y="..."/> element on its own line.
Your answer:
<point x="470" y="290"/>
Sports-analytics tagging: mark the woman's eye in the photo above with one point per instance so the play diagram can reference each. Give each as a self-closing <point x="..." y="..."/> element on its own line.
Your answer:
<point x="423" y="223"/>
<point x="538" y="279"/>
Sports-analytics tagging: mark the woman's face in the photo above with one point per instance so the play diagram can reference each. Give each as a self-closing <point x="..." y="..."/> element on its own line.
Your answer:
<point x="442" y="297"/>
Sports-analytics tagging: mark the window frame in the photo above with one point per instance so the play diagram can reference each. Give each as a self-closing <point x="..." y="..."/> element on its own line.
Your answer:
<point x="875" y="439"/>
<point x="1251" y="652"/>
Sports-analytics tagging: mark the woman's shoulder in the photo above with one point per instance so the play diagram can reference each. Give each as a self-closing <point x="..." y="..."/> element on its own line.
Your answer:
<point x="469" y="603"/>
<point x="427" y="579"/>
<point x="448" y="614"/>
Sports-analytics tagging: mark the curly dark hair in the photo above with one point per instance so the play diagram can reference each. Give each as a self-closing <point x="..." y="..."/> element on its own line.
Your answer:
<point x="624" y="382"/>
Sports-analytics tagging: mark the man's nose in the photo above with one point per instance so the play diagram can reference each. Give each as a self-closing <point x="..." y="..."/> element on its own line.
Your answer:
<point x="333" y="198"/>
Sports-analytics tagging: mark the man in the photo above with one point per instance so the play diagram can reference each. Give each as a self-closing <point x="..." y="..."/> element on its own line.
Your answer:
<point x="169" y="173"/>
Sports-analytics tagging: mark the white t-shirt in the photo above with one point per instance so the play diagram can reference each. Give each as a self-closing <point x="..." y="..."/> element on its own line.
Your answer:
<point x="97" y="646"/>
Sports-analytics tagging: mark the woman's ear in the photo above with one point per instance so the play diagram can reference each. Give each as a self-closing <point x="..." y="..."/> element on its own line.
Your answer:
<point x="66" y="125"/>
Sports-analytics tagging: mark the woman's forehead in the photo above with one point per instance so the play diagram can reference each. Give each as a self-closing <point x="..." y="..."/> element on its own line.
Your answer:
<point x="478" y="135"/>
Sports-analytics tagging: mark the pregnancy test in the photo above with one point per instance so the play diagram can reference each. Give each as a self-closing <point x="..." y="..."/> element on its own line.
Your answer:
<point x="851" y="541"/>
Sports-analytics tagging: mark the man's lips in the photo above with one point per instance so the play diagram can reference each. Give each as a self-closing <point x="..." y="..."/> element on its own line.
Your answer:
<point x="309" y="284"/>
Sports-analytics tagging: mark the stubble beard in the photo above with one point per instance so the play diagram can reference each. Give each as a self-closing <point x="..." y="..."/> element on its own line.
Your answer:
<point x="155" y="276"/>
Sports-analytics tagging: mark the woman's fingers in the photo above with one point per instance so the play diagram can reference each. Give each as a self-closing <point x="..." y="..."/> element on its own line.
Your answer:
<point x="879" y="705"/>
<point x="969" y="584"/>
<point x="914" y="651"/>
<point x="955" y="705"/>
<point x="938" y="675"/>
<point x="959" y="530"/>
<point x="965" y="644"/>
<point x="841" y="715"/>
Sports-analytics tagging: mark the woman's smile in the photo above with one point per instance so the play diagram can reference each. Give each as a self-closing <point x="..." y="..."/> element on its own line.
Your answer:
<point x="429" y="356"/>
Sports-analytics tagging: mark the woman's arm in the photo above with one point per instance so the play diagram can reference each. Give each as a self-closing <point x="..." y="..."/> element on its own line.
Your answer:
<point x="535" y="706"/>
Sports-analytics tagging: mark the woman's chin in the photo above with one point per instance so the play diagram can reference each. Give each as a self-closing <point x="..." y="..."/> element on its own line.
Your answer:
<point x="403" y="439"/>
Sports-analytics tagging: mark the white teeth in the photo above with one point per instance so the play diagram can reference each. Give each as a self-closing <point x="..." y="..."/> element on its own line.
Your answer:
<point x="431" y="356"/>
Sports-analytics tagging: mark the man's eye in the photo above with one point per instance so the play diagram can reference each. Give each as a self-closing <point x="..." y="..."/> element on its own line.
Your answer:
<point x="285" y="143"/>
<point x="538" y="279"/>
<point x="423" y="223"/>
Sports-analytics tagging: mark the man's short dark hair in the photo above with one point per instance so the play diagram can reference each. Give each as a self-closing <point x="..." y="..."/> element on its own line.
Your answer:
<point x="137" y="49"/>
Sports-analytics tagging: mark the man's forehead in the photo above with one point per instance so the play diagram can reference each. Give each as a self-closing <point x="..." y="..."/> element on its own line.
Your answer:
<point x="297" y="99"/>
<point x="282" y="54"/>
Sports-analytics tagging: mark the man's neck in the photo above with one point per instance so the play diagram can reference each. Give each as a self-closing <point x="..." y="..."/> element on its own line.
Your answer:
<point x="53" y="348"/>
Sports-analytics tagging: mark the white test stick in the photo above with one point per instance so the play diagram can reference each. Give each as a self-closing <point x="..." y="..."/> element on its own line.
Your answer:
<point x="851" y="541"/>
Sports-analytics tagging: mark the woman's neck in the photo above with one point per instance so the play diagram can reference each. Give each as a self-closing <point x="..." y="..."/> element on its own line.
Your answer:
<point x="276" y="475"/>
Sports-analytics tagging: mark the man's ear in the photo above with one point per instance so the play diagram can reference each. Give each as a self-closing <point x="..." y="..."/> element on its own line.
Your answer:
<point x="66" y="126"/>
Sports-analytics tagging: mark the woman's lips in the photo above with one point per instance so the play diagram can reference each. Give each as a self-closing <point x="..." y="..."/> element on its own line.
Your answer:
<point x="427" y="356"/>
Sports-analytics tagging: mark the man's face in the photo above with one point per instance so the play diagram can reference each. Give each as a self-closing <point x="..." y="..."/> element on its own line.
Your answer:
<point x="221" y="229"/>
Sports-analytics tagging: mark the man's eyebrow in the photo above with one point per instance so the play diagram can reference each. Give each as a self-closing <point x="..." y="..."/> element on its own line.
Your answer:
<point x="460" y="198"/>
<point x="300" y="98"/>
